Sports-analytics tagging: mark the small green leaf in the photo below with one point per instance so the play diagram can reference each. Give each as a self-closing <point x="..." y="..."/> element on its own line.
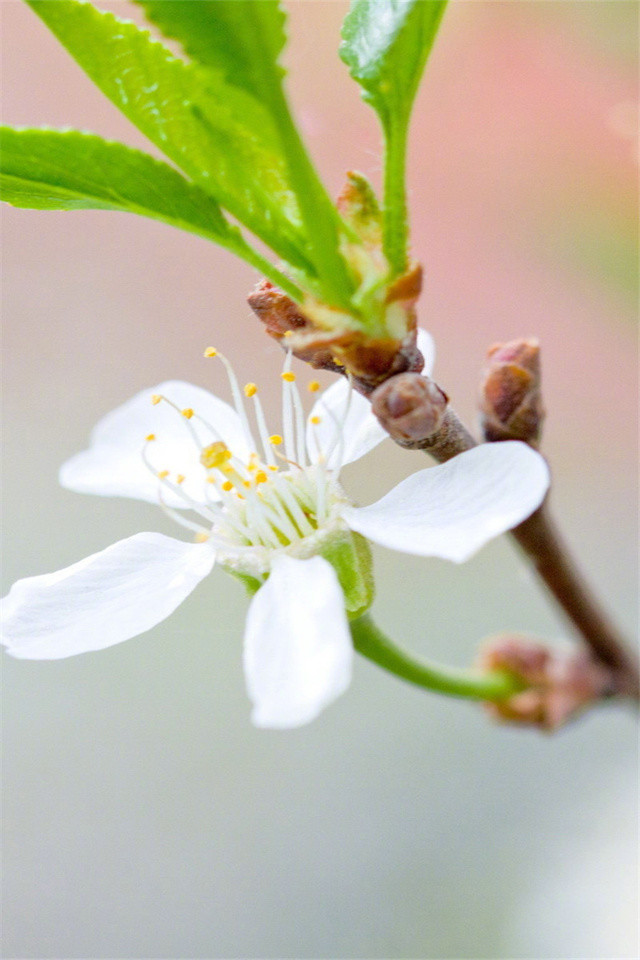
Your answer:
<point x="69" y="170"/>
<point x="385" y="45"/>
<point x="242" y="40"/>
<point x="221" y="137"/>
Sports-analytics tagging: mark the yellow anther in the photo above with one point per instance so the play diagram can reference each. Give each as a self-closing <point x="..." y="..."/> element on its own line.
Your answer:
<point x="211" y="352"/>
<point x="261" y="477"/>
<point x="275" y="439"/>
<point x="211" y="479"/>
<point x="337" y="362"/>
<point x="313" y="387"/>
<point x="156" y="398"/>
<point x="315" y="420"/>
<point x="227" y="485"/>
<point x="180" y="478"/>
<point x="288" y="375"/>
<point x="149" y="437"/>
<point x="215" y="455"/>
<point x="187" y="413"/>
<point x="273" y="467"/>
<point x="246" y="483"/>
<point x="288" y="333"/>
<point x="163" y="474"/>
<point x="201" y="537"/>
<point x="250" y="390"/>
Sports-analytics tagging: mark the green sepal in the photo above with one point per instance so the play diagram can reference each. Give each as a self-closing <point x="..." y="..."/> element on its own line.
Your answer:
<point x="251" y="584"/>
<point x="350" y="556"/>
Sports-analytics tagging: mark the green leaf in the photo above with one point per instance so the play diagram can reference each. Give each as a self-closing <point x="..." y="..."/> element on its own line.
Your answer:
<point x="221" y="136"/>
<point x="69" y="170"/>
<point x="242" y="39"/>
<point x="385" y="45"/>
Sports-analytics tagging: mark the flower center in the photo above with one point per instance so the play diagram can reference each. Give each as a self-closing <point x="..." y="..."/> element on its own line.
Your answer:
<point x="280" y="496"/>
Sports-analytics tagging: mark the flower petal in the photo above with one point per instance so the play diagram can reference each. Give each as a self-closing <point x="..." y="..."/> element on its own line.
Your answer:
<point x="104" y="599"/>
<point x="452" y="510"/>
<point x="298" y="652"/>
<point x="347" y="430"/>
<point x="113" y="464"/>
<point x="427" y="347"/>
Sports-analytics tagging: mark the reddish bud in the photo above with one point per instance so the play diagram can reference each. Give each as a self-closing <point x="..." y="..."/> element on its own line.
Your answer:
<point x="558" y="684"/>
<point x="510" y="400"/>
<point x="409" y="406"/>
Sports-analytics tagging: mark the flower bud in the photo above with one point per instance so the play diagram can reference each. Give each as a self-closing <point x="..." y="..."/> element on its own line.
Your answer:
<point x="557" y="684"/>
<point x="409" y="406"/>
<point x="510" y="399"/>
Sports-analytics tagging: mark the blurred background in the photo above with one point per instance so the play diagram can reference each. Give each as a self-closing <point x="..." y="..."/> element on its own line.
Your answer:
<point x="145" y="817"/>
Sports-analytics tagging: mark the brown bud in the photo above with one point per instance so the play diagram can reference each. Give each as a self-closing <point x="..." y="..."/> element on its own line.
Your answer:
<point x="283" y="319"/>
<point x="510" y="399"/>
<point x="409" y="406"/>
<point x="558" y="684"/>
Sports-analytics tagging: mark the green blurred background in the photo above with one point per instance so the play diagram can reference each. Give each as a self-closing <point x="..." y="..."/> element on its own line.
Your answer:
<point x="145" y="817"/>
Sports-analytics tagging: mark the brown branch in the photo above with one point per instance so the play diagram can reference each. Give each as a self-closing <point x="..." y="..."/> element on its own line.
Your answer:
<point x="537" y="536"/>
<point x="540" y="540"/>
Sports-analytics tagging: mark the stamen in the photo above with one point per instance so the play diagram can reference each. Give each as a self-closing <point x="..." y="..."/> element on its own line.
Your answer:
<point x="149" y="437"/>
<point x="285" y="525"/>
<point x="275" y="439"/>
<point x="287" y="411"/>
<point x="313" y="387"/>
<point x="338" y="439"/>
<point x="315" y="420"/>
<point x="237" y="398"/>
<point x="208" y="513"/>
<point x="288" y="376"/>
<point x="180" y="478"/>
<point x="186" y="419"/>
<point x="227" y="485"/>
<point x="284" y="487"/>
<point x="265" y="440"/>
<point x="156" y="398"/>
<point x="250" y="389"/>
<point x="182" y="521"/>
<point x="210" y="352"/>
<point x="300" y="425"/>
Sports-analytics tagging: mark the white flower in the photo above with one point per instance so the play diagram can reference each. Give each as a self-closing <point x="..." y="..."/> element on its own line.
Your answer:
<point x="265" y="511"/>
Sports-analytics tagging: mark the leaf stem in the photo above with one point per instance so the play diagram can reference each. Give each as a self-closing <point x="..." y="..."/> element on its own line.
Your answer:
<point x="372" y="643"/>
<point x="395" y="229"/>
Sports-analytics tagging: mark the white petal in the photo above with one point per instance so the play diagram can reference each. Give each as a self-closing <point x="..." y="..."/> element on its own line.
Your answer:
<point x="452" y="510"/>
<point x="298" y="652"/>
<point x="104" y="599"/>
<point x="343" y="439"/>
<point x="338" y="438"/>
<point x="427" y="347"/>
<point x="113" y="465"/>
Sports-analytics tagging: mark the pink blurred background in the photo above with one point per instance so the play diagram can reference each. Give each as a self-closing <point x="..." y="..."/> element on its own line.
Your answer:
<point x="146" y="818"/>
